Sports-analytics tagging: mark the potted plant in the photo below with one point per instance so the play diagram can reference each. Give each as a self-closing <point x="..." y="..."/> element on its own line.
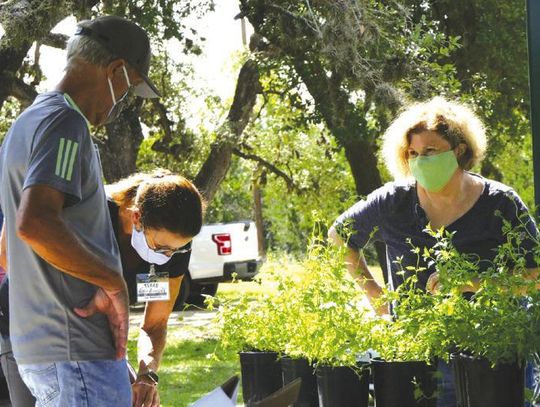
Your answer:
<point x="314" y="315"/>
<point x="331" y="326"/>
<point x="296" y="294"/>
<point x="408" y="343"/>
<point x="496" y="330"/>
<point x="251" y="327"/>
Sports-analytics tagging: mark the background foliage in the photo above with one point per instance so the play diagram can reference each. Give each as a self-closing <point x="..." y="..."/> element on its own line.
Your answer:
<point x="298" y="148"/>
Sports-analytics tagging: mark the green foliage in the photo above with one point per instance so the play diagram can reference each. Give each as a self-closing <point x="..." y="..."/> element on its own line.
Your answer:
<point x="163" y="19"/>
<point x="10" y="110"/>
<point x="252" y="324"/>
<point x="415" y="333"/>
<point x="171" y="142"/>
<point x="317" y="313"/>
<point x="315" y="177"/>
<point x="331" y="322"/>
<point x="233" y="201"/>
<point x="501" y="320"/>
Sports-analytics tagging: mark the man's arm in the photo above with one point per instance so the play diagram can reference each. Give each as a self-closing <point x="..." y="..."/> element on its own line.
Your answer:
<point x="151" y="344"/>
<point x="357" y="267"/>
<point x="39" y="223"/>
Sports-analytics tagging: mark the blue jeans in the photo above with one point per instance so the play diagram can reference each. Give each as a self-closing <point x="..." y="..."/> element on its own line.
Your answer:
<point x="446" y="386"/>
<point x="532" y="379"/>
<point x="87" y="383"/>
<point x="447" y="397"/>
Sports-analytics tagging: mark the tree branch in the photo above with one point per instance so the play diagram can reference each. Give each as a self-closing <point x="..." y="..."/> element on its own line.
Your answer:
<point x="216" y="165"/>
<point x="55" y="40"/>
<point x="307" y="24"/>
<point x="36" y="67"/>
<point x="164" y="122"/>
<point x="22" y="91"/>
<point x="24" y="22"/>
<point x="271" y="167"/>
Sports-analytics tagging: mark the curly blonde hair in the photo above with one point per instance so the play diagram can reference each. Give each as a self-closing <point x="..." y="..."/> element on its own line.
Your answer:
<point x="453" y="121"/>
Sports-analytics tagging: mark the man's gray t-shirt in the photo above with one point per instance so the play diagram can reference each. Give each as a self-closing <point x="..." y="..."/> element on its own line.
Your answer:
<point x="50" y="144"/>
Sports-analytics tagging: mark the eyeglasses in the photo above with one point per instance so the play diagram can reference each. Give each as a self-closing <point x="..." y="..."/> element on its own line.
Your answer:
<point x="168" y="251"/>
<point x="172" y="252"/>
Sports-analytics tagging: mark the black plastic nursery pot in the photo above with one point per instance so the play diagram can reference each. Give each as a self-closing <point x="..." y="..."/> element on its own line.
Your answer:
<point x="395" y="383"/>
<point x="343" y="386"/>
<point x="261" y="375"/>
<point x="294" y="368"/>
<point x="478" y="384"/>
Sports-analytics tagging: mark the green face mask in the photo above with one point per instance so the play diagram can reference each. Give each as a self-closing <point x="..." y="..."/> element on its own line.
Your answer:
<point x="434" y="171"/>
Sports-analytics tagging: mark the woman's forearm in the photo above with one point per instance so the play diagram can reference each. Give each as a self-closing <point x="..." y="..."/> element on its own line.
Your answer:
<point x="153" y="331"/>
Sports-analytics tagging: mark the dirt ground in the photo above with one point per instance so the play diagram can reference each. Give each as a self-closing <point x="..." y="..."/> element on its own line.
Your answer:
<point x="190" y="322"/>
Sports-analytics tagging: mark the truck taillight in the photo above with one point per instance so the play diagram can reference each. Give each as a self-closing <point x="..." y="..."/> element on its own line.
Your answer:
<point x="223" y="242"/>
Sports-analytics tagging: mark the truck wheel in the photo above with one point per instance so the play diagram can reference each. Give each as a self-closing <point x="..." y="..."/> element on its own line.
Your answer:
<point x="185" y="288"/>
<point x="198" y="292"/>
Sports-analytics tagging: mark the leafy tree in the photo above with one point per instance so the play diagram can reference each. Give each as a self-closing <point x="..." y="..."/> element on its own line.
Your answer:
<point x="119" y="142"/>
<point x="492" y="72"/>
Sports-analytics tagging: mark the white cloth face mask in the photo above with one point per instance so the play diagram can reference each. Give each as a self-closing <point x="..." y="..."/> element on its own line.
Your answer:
<point x="139" y="243"/>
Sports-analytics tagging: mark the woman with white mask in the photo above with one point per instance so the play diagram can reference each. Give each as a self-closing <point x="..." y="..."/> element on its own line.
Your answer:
<point x="430" y="149"/>
<point x="155" y="216"/>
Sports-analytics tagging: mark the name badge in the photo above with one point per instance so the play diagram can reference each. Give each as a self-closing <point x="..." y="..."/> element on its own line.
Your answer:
<point x="153" y="287"/>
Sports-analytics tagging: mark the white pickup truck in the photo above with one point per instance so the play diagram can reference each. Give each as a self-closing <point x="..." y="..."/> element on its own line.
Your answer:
<point x="220" y="251"/>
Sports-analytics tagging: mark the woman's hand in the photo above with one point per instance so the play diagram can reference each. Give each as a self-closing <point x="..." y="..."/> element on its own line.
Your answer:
<point x="145" y="393"/>
<point x="433" y="283"/>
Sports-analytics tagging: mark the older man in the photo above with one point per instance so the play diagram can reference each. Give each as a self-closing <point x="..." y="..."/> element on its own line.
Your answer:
<point x="61" y="250"/>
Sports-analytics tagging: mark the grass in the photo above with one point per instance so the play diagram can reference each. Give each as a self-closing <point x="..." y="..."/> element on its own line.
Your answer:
<point x="188" y="370"/>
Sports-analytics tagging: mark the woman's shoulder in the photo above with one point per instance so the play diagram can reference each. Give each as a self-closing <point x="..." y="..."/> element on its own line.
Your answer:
<point x="497" y="190"/>
<point x="389" y="198"/>
<point x="394" y="191"/>
<point x="501" y="195"/>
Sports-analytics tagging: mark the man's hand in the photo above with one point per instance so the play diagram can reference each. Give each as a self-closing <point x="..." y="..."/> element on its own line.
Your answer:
<point x="145" y="393"/>
<point x="114" y="304"/>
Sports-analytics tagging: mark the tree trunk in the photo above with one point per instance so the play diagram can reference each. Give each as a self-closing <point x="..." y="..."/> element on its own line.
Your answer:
<point x="217" y="164"/>
<point x="120" y="147"/>
<point x="258" y="212"/>
<point x="363" y="163"/>
<point x="344" y="120"/>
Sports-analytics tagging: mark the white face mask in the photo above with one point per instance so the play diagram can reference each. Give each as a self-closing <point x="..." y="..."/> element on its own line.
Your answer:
<point x="138" y="241"/>
<point x="120" y="104"/>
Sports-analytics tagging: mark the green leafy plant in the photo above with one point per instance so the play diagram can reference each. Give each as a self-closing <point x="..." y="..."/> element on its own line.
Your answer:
<point x="501" y="321"/>
<point x="316" y="313"/>
<point x="252" y="323"/>
<point x="332" y="324"/>
<point x="414" y="332"/>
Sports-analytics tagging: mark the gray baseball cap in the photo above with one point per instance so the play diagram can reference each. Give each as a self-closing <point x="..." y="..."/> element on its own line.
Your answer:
<point x="124" y="39"/>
